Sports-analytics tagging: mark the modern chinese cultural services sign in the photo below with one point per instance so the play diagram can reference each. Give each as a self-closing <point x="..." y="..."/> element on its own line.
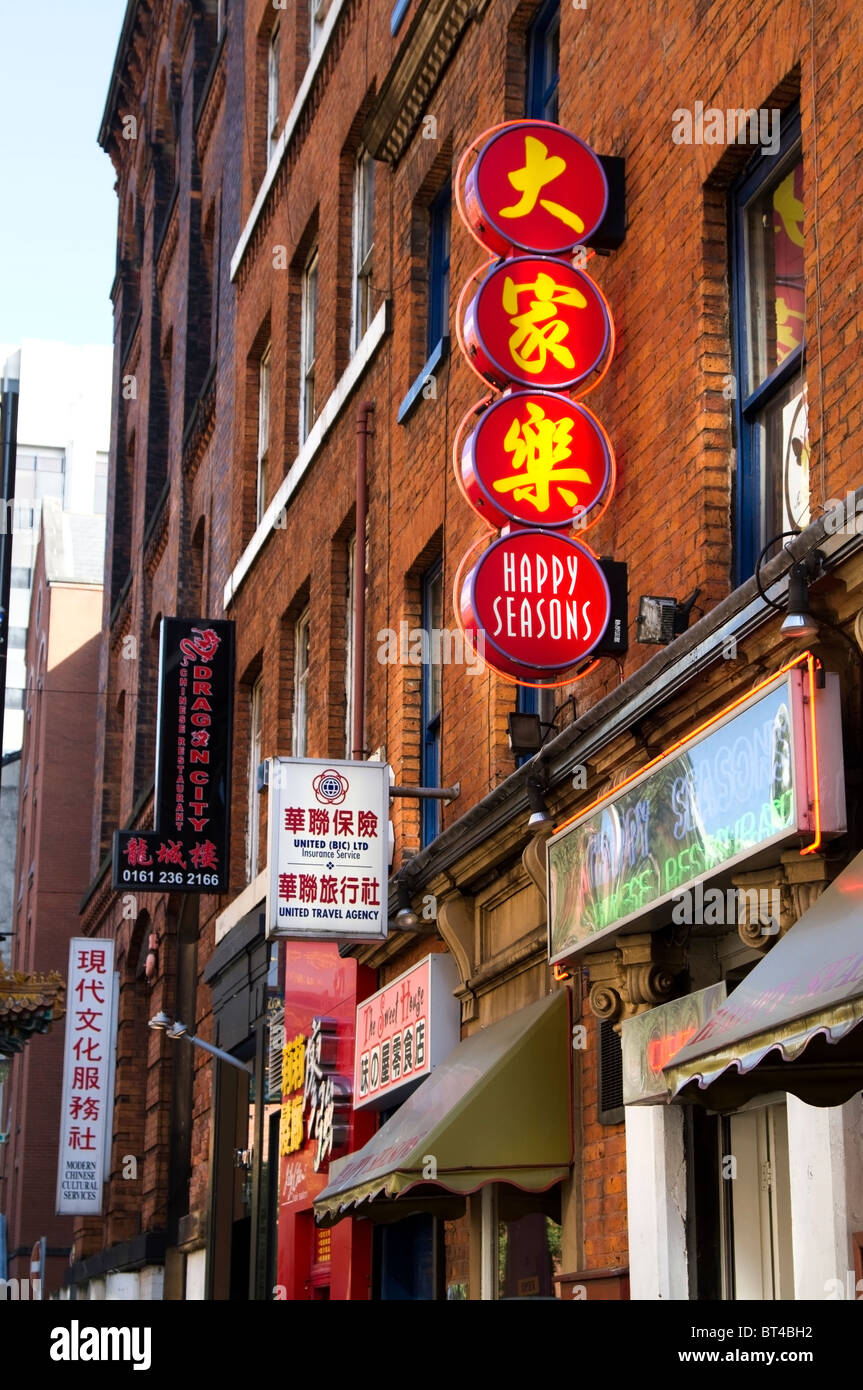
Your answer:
<point x="404" y="1030"/>
<point x="536" y="464"/>
<point x="650" y="1041"/>
<point x="329" y="853"/>
<point x="747" y="781"/>
<point x="188" y="850"/>
<point x="88" y="1077"/>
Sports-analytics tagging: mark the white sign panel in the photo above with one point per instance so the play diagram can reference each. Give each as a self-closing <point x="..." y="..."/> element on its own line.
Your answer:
<point x="404" y="1030"/>
<point x="88" y="1071"/>
<point x="329" y="855"/>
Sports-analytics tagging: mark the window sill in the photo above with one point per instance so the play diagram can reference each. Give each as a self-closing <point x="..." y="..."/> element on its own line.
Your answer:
<point x="438" y="354"/>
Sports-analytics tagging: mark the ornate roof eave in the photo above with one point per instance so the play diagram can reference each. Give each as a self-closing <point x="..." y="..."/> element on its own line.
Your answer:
<point x="29" y="1003"/>
<point x="127" y="71"/>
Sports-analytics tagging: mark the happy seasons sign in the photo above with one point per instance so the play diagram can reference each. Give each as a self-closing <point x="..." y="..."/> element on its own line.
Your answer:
<point x="188" y="850"/>
<point x="536" y="602"/>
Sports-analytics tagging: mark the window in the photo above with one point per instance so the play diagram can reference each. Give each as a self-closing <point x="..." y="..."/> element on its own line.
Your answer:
<point x="521" y="1242"/>
<point x="21" y="577"/>
<point x="254" y="802"/>
<point x="363" y="246"/>
<point x="543" y="63"/>
<point x="318" y="10"/>
<point x="769" y="305"/>
<point x="430" y="698"/>
<point x="100" y="485"/>
<point x="438" y="308"/>
<point x="349" y="650"/>
<point x="17" y="637"/>
<point x="308" y="312"/>
<point x="273" y="92"/>
<point x="39" y="475"/>
<point x="301" y="685"/>
<point x="263" y="433"/>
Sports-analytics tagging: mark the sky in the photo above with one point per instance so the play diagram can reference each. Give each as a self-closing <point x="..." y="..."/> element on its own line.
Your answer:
<point x="58" y="209"/>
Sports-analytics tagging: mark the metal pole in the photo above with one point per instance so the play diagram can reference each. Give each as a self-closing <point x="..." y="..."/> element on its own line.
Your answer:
<point x="9" y="409"/>
<point x="216" y="1051"/>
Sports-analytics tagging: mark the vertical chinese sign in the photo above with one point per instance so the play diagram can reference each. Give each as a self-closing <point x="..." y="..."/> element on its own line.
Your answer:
<point x="329" y="851"/>
<point x="188" y="851"/>
<point x="88" y="1077"/>
<point x="536" y="464"/>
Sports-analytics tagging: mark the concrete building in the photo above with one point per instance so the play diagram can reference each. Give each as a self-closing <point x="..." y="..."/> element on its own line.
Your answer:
<point x="286" y="406"/>
<point x="51" y="859"/>
<point x="64" y="412"/>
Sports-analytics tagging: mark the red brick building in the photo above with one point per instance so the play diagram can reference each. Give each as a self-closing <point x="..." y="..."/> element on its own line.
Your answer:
<point x="289" y="264"/>
<point x="51" y="858"/>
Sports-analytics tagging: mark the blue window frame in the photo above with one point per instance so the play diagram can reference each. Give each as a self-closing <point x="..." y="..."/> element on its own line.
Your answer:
<point x="430" y="698"/>
<point x="768" y="307"/>
<point x="543" y="63"/>
<point x="439" y="237"/>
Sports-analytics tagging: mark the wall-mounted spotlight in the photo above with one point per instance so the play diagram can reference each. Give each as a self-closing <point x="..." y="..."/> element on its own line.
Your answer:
<point x="799" y="621"/>
<point x="660" y="620"/>
<point x="539" y="812"/>
<point x="406" y="919"/>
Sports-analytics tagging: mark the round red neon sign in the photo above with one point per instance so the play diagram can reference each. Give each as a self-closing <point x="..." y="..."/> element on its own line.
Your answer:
<point x="537" y="459"/>
<point x="539" y="603"/>
<point x="537" y="322"/>
<point x="537" y="187"/>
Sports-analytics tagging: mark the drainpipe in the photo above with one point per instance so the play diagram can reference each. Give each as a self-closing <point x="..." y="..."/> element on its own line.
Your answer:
<point x="359" y="715"/>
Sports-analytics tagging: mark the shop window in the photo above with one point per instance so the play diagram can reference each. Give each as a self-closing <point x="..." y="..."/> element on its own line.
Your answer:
<point x="431" y="698"/>
<point x="439" y="257"/>
<point x="610" y="1081"/>
<point x="521" y="1242"/>
<point x="302" y="633"/>
<point x="308" y="348"/>
<point x="768" y="302"/>
<point x="406" y="1259"/>
<point x="543" y="63"/>
<point x="263" y="449"/>
<point x="363" y="246"/>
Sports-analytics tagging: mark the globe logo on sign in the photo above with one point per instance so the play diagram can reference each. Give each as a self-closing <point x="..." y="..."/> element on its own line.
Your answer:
<point x="331" y="787"/>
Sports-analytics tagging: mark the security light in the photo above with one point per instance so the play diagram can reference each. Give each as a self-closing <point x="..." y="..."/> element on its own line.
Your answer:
<point x="539" y="812"/>
<point x="799" y="622"/>
<point x="660" y="620"/>
<point x="406" y="918"/>
<point x="525" y="734"/>
<point x="160" y="1022"/>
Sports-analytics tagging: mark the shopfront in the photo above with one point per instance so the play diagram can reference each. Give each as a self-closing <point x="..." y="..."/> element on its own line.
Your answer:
<point x="462" y="1184"/>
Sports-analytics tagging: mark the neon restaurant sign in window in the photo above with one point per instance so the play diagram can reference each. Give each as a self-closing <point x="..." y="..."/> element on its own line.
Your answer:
<point x="754" y="778"/>
<point x="535" y="465"/>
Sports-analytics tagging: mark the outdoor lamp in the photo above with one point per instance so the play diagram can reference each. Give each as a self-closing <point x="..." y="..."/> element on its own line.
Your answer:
<point x="799" y="622"/>
<point x="660" y="620"/>
<point x="539" y="812"/>
<point x="406" y="918"/>
<point x="160" y="1022"/>
<point x="525" y="733"/>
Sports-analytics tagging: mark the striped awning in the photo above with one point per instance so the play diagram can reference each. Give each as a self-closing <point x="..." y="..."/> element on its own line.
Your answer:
<point x="791" y="1025"/>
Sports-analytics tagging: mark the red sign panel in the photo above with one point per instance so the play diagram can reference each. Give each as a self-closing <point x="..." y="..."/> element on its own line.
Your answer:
<point x="537" y="459"/>
<point x="537" y="187"/>
<point x="541" y="601"/>
<point x="538" y="322"/>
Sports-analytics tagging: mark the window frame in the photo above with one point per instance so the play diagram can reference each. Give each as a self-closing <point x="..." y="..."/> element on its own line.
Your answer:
<point x="362" y="254"/>
<point x="542" y="94"/>
<point x="432" y="720"/>
<point x="273" y="45"/>
<point x="300" y="719"/>
<point x="750" y="406"/>
<point x="308" y="345"/>
<point x="439" y="253"/>
<point x="263" y="439"/>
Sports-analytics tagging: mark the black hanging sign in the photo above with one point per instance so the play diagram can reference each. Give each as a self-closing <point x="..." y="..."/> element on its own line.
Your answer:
<point x="188" y="851"/>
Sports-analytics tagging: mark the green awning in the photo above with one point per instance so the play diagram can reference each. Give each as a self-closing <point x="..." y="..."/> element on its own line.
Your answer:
<point x="793" y="1023"/>
<point x="497" y="1109"/>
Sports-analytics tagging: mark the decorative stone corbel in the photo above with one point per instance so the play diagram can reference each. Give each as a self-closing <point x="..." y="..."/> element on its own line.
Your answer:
<point x="639" y="972"/>
<point x="456" y="924"/>
<point x="793" y="886"/>
<point x="808" y="875"/>
<point x="534" y="858"/>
